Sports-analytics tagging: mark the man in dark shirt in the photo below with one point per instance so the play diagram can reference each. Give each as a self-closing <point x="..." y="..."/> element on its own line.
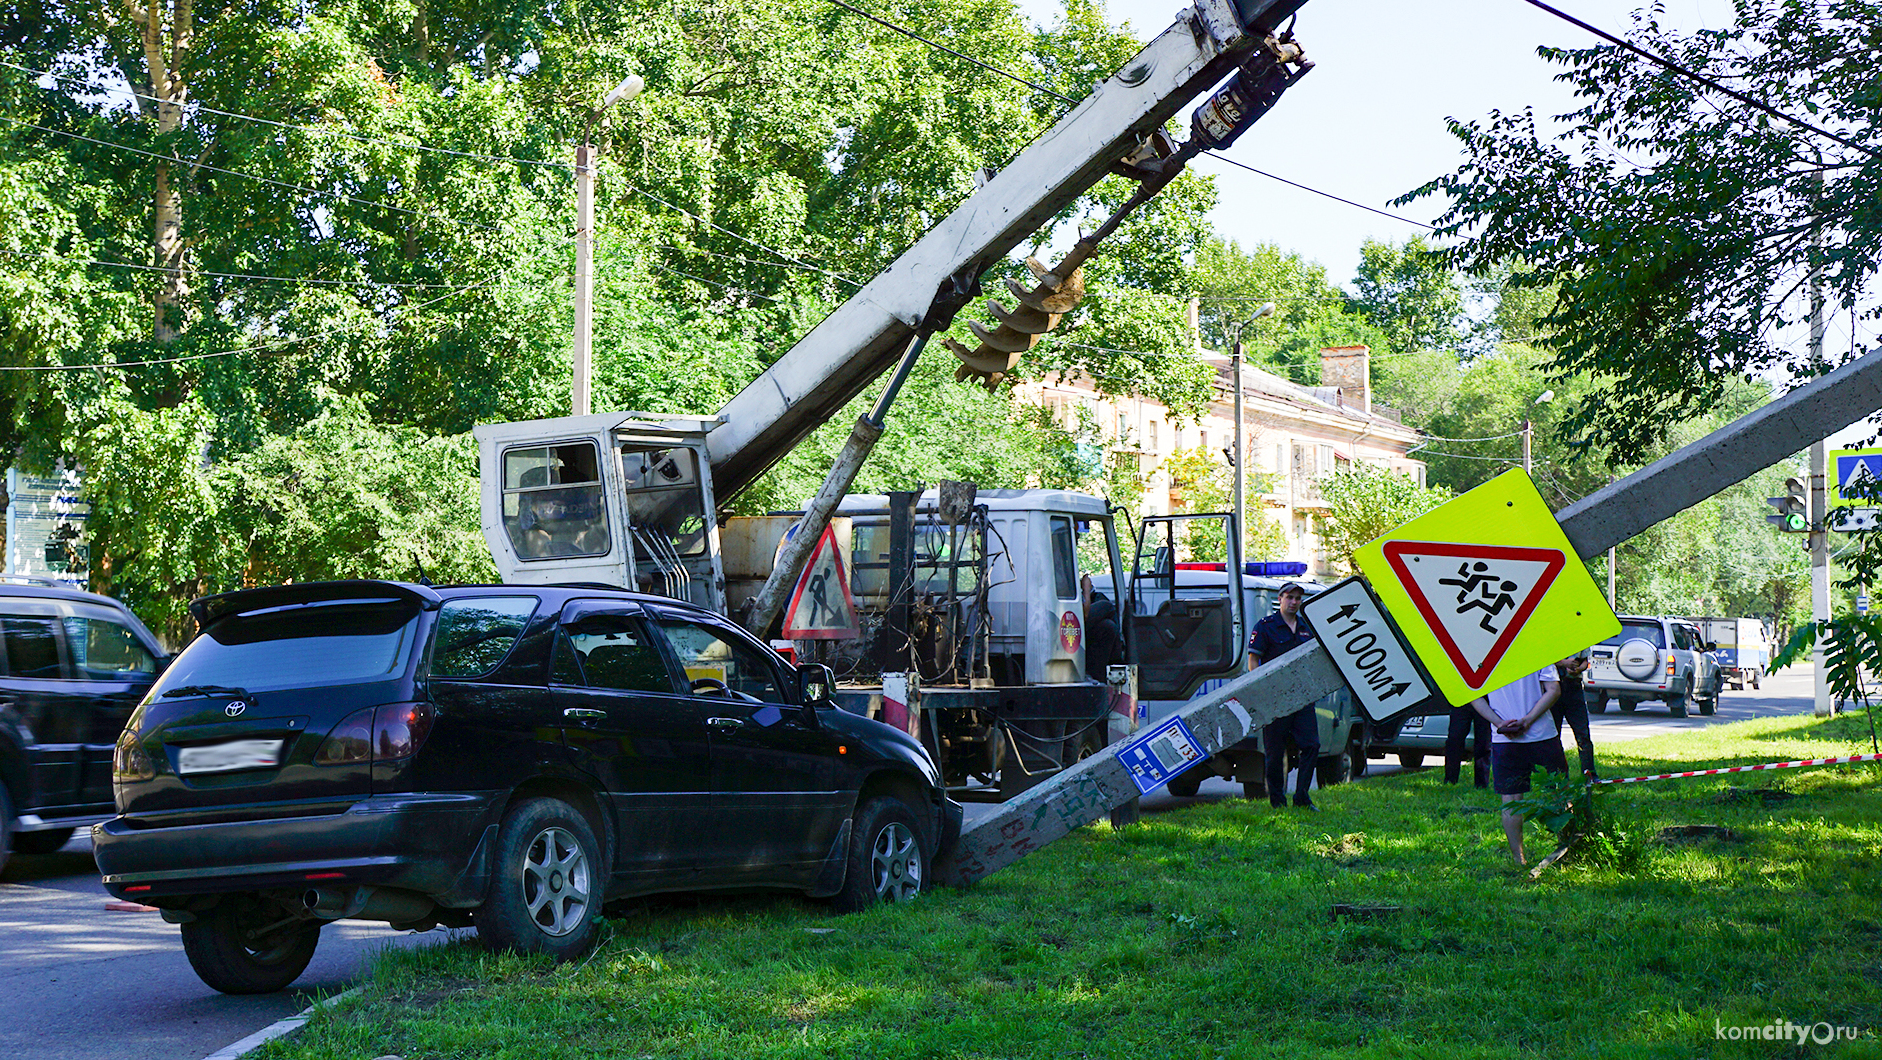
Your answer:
<point x="1274" y="635"/>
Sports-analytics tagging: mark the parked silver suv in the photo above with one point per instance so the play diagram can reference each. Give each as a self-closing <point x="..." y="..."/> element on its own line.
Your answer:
<point x="1654" y="658"/>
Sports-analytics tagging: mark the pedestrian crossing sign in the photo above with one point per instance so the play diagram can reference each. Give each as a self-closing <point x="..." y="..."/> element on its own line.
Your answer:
<point x="1857" y="478"/>
<point x="821" y="606"/>
<point x="1486" y="588"/>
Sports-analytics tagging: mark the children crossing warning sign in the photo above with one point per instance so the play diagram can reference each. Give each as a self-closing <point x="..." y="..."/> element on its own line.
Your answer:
<point x="1474" y="598"/>
<point x="821" y="606"/>
<point x="1486" y="588"/>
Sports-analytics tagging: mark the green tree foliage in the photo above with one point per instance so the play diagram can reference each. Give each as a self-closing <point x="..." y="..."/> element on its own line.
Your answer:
<point x="374" y="218"/>
<point x="1409" y="294"/>
<point x="1675" y="226"/>
<point x="1310" y="313"/>
<point x="1365" y="500"/>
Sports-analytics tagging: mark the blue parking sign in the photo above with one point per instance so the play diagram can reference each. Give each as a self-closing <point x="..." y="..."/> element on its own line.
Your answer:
<point x="1158" y="754"/>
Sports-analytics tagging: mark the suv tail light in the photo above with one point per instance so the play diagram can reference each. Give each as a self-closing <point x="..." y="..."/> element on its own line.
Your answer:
<point x="1669" y="664"/>
<point x="377" y="734"/>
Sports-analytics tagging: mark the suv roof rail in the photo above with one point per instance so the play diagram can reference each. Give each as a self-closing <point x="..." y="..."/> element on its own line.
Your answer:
<point x="35" y="579"/>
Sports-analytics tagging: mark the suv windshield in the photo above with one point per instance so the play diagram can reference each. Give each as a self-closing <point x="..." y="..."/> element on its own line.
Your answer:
<point x="327" y="643"/>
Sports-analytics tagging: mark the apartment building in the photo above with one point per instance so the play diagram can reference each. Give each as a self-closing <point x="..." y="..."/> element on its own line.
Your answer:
<point x="1294" y="435"/>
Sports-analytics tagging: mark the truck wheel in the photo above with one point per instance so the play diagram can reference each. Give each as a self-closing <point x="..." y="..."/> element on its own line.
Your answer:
<point x="1600" y="704"/>
<point x="888" y="861"/>
<point x="1411" y="759"/>
<point x="546" y="890"/>
<point x="1187" y="783"/>
<point x="227" y="956"/>
<point x="47" y="842"/>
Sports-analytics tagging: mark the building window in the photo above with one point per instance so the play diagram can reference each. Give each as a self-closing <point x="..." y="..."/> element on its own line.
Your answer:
<point x="1204" y="439"/>
<point x="1325" y="463"/>
<point x="1151" y="428"/>
<point x="1278" y="466"/>
<point x="1123" y="425"/>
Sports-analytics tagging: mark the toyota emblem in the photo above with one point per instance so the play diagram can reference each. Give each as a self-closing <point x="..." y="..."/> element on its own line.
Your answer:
<point x="235" y="709"/>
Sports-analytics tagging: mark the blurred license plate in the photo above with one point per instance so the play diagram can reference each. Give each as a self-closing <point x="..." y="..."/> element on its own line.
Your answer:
<point x="223" y="757"/>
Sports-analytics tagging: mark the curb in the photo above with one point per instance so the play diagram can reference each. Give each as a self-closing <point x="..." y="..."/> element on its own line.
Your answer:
<point x="277" y="1029"/>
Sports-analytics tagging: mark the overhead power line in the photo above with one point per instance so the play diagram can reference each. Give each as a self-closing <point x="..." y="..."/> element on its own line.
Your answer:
<point x="270" y="345"/>
<point x="313" y="129"/>
<point x="1749" y="101"/>
<point x="305" y="189"/>
<point x="1034" y="85"/>
<point x="1317" y="191"/>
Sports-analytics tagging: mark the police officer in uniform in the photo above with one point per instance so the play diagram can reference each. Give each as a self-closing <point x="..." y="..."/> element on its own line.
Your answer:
<point x="1274" y="635"/>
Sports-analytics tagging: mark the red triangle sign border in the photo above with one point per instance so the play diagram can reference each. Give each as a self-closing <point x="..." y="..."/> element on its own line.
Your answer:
<point x="1476" y="676"/>
<point x="827" y="541"/>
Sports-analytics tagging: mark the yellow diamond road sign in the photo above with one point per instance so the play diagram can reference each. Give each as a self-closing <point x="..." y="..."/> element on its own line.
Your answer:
<point x="1486" y="588"/>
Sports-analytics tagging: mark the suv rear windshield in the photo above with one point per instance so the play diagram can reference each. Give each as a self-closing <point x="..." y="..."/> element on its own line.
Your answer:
<point x="328" y="643"/>
<point x="1647" y="631"/>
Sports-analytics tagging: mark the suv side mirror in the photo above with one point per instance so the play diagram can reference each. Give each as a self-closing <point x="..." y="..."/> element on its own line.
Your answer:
<point x="816" y="683"/>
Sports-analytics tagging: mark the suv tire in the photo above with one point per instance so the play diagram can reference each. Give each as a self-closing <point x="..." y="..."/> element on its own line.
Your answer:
<point x="1680" y="705"/>
<point x="1600" y="704"/>
<point x="6" y="826"/>
<point x="1332" y="769"/>
<point x="219" y="949"/>
<point x="47" y="842"/>
<point x="1186" y="784"/>
<point x="888" y="857"/>
<point x="545" y="894"/>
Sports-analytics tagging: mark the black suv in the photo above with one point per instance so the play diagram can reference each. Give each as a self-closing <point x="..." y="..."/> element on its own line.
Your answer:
<point x="74" y="665"/>
<point x="505" y="757"/>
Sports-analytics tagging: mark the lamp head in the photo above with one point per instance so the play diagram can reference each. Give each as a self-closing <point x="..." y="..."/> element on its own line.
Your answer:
<point x="626" y="90"/>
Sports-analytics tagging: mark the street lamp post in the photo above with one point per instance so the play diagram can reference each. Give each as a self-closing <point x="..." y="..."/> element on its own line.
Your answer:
<point x="1236" y="539"/>
<point x="585" y="242"/>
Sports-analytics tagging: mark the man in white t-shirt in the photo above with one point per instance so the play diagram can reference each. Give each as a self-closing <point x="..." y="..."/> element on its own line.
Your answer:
<point x="1525" y="737"/>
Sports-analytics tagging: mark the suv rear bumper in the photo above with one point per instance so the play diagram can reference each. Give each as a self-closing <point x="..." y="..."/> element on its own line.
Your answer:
<point x="432" y="843"/>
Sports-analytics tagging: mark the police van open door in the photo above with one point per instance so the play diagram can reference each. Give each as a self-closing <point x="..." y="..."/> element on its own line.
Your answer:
<point x="1178" y="641"/>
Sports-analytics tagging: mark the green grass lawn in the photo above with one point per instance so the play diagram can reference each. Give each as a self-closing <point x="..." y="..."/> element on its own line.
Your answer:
<point x="1208" y="933"/>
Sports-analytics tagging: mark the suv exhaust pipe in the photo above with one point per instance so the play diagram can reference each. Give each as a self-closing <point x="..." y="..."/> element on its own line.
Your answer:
<point x="367" y="903"/>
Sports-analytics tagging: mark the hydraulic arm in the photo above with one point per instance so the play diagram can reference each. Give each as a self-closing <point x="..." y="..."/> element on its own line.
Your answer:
<point x="1118" y="128"/>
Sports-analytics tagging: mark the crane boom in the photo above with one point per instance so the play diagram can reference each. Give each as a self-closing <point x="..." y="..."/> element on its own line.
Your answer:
<point x="854" y="345"/>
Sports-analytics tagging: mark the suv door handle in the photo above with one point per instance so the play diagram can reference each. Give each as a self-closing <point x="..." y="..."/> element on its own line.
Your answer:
<point x="585" y="715"/>
<point x="725" y="723"/>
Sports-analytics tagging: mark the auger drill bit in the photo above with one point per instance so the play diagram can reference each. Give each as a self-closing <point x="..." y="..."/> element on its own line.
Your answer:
<point x="1278" y="63"/>
<point x="1039" y="310"/>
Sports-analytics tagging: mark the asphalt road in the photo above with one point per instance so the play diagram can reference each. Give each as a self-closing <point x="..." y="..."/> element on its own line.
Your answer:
<point x="79" y="982"/>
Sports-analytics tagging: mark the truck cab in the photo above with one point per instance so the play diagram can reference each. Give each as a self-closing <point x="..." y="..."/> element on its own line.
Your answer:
<point x="622" y="499"/>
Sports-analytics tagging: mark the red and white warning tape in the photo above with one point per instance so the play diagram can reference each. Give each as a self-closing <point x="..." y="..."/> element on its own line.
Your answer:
<point x="1747" y="769"/>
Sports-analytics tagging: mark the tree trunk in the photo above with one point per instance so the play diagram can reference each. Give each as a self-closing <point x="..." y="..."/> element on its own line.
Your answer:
<point x="167" y="38"/>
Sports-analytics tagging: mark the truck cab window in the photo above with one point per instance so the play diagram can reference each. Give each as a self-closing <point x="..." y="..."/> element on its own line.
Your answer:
<point x="552" y="505"/>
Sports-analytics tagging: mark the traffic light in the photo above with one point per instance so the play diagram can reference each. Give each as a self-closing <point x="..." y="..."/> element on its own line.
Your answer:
<point x="1793" y="509"/>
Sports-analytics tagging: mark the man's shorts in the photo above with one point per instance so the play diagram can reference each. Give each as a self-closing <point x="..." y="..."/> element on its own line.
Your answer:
<point x="1511" y="763"/>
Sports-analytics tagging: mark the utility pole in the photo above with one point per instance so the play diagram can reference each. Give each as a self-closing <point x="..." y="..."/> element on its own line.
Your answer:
<point x="1610" y="564"/>
<point x="1819" y="498"/>
<point x="584" y="273"/>
<point x="1240" y="535"/>
<point x="585" y="243"/>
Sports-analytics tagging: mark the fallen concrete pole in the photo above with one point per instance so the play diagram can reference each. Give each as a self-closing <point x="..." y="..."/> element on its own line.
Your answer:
<point x="1731" y="454"/>
<point x="1090" y="789"/>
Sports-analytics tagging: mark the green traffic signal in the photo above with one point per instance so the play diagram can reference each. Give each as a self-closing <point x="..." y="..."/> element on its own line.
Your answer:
<point x="1793" y="508"/>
